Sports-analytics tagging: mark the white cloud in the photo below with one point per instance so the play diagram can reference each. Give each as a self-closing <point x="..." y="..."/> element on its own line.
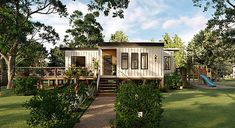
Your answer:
<point x="171" y="23"/>
<point x="139" y="15"/>
<point x="192" y="25"/>
<point x="150" y="24"/>
<point x="197" y="21"/>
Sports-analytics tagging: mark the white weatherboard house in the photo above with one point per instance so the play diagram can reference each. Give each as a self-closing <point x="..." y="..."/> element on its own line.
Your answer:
<point x="142" y="60"/>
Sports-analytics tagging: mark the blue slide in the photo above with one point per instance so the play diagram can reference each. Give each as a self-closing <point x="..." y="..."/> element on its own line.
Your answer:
<point x="207" y="81"/>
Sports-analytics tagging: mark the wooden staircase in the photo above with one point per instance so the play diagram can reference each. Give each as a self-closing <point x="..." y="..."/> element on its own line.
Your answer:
<point x="107" y="87"/>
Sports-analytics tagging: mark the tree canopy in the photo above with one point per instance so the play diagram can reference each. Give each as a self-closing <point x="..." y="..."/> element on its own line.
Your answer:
<point x="119" y="36"/>
<point x="175" y="42"/>
<point x="16" y="27"/>
<point x="223" y="17"/>
<point x="116" y="7"/>
<point x="206" y="48"/>
<point x="56" y="58"/>
<point x="85" y="30"/>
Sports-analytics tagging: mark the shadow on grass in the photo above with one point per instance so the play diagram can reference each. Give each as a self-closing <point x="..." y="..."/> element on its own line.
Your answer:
<point x="196" y="93"/>
<point x="14" y="120"/>
<point x="189" y="109"/>
<point x="11" y="106"/>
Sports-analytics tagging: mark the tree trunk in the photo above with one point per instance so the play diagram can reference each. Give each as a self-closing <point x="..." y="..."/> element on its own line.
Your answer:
<point x="3" y="72"/>
<point x="10" y="72"/>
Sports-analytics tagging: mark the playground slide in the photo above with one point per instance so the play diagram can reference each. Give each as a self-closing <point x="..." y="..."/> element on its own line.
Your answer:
<point x="207" y="81"/>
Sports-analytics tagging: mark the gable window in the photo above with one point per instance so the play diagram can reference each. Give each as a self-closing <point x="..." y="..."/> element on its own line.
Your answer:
<point x="78" y="61"/>
<point x="167" y="62"/>
<point x="144" y="60"/>
<point x="134" y="61"/>
<point x="124" y="60"/>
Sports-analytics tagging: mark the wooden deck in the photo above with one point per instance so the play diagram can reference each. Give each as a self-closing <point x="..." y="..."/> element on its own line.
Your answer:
<point x="51" y="76"/>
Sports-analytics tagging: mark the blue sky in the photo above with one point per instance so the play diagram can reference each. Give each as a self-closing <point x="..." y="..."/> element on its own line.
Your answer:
<point x="144" y="19"/>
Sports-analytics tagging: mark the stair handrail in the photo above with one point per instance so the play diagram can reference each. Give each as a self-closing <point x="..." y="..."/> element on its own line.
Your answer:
<point x="98" y="79"/>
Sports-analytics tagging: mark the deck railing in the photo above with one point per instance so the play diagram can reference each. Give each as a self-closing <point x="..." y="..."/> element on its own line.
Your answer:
<point x="41" y="71"/>
<point x="46" y="71"/>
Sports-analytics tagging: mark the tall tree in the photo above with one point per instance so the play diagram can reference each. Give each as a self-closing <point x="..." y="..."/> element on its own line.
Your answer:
<point x="3" y="68"/>
<point x="85" y="31"/>
<point x="223" y="17"/>
<point x="175" y="42"/>
<point x="16" y="25"/>
<point x="207" y="48"/>
<point x="25" y="58"/>
<point x="119" y="36"/>
<point x="56" y="58"/>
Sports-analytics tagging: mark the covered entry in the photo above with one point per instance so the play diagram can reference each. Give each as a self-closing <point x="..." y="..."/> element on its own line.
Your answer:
<point x="109" y="61"/>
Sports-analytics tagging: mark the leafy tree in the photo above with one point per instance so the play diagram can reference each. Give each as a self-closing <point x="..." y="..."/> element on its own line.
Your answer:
<point x="16" y="25"/>
<point x="85" y="31"/>
<point x="25" y="58"/>
<point x="223" y="17"/>
<point x="207" y="48"/>
<point x="3" y="67"/>
<point x="116" y="7"/>
<point x="175" y="42"/>
<point x="119" y="36"/>
<point x="56" y="58"/>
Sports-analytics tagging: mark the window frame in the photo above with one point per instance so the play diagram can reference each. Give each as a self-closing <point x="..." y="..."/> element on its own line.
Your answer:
<point x="143" y="54"/>
<point x="169" y="67"/>
<point x="124" y="53"/>
<point x="76" y="58"/>
<point x="132" y="57"/>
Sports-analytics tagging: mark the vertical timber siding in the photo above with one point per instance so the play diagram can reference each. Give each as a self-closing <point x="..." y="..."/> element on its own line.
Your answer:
<point x="89" y="56"/>
<point x="154" y="68"/>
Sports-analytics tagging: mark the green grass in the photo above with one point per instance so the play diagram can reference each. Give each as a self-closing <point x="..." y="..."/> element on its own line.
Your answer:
<point x="199" y="108"/>
<point x="12" y="114"/>
<point x="230" y="83"/>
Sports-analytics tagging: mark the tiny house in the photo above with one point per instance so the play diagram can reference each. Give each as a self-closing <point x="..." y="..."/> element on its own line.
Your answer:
<point x="132" y="60"/>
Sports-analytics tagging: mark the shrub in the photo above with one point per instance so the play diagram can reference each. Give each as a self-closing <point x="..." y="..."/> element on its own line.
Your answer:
<point x="25" y="86"/>
<point x="49" y="111"/>
<point x="75" y="96"/>
<point x="172" y="81"/>
<point x="132" y="99"/>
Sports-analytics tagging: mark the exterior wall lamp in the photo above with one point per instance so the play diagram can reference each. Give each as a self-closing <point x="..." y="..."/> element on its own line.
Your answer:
<point x="155" y="58"/>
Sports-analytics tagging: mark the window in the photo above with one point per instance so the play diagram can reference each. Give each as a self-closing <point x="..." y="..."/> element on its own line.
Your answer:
<point x="167" y="62"/>
<point x="78" y="61"/>
<point x="124" y="60"/>
<point x="134" y="61"/>
<point x="144" y="60"/>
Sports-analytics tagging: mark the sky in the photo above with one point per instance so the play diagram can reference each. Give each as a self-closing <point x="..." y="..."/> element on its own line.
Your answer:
<point x="143" y="20"/>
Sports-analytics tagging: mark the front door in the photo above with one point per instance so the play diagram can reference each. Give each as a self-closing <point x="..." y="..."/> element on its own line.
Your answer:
<point x="107" y="65"/>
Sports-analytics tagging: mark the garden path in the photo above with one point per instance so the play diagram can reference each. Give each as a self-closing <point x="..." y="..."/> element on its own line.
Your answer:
<point x="99" y="114"/>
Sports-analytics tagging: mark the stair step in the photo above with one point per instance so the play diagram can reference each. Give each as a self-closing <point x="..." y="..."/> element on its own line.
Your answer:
<point x="107" y="87"/>
<point x="106" y="94"/>
<point x="107" y="90"/>
<point x="105" y="82"/>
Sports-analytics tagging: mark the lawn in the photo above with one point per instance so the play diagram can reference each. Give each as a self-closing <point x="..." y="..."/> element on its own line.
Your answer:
<point x="230" y="82"/>
<point x="12" y="114"/>
<point x="199" y="108"/>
